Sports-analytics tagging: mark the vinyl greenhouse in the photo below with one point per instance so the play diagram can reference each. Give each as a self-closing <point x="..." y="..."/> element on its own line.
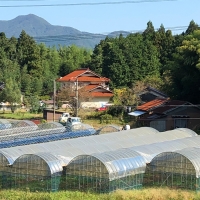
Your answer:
<point x="99" y="163"/>
<point x="178" y="169"/>
<point x="106" y="172"/>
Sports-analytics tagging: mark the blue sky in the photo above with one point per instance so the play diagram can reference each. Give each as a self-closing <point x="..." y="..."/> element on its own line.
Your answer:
<point x="108" y="18"/>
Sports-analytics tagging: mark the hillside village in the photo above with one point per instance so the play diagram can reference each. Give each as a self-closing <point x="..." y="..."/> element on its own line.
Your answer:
<point x="146" y="81"/>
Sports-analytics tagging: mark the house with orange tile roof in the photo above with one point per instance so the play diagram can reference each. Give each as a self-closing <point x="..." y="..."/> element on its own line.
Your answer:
<point x="166" y="114"/>
<point x="97" y="86"/>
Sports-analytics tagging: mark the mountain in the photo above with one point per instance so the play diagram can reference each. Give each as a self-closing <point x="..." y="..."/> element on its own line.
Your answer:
<point x="43" y="31"/>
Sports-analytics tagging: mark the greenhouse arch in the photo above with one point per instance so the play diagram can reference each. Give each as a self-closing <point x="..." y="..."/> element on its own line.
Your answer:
<point x="179" y="169"/>
<point x="105" y="172"/>
<point x="108" y="129"/>
<point x="40" y="171"/>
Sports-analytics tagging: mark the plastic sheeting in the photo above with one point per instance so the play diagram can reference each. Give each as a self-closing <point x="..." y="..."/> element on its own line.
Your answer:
<point x="119" y="163"/>
<point x="108" y="129"/>
<point x="42" y="136"/>
<point x="68" y="149"/>
<point x="18" y="126"/>
<point x="178" y="169"/>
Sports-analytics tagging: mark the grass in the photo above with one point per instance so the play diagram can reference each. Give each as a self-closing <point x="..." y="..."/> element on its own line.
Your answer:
<point x="145" y="194"/>
<point x="19" y="115"/>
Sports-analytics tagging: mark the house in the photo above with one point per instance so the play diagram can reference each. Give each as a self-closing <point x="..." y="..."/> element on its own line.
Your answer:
<point x="150" y="93"/>
<point x="95" y="85"/>
<point x="166" y="114"/>
<point x="148" y="107"/>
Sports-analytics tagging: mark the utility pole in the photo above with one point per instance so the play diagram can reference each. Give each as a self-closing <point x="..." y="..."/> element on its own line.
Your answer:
<point x="77" y="97"/>
<point x="54" y="99"/>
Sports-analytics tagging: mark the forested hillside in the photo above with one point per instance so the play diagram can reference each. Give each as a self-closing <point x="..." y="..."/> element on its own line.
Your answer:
<point x="49" y="34"/>
<point x="155" y="57"/>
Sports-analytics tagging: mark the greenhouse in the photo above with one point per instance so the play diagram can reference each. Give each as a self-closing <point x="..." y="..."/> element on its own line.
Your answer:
<point x="42" y="137"/>
<point x="152" y="150"/>
<point x="81" y="126"/>
<point x="108" y="129"/>
<point x="81" y="165"/>
<point x="44" y="129"/>
<point x="38" y="172"/>
<point x="106" y="172"/>
<point x="179" y="169"/>
<point x="4" y="124"/>
<point x="66" y="150"/>
<point x="18" y="126"/>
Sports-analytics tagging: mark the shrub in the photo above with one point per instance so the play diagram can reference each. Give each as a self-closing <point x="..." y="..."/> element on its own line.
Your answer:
<point x="105" y="118"/>
<point x="115" y="111"/>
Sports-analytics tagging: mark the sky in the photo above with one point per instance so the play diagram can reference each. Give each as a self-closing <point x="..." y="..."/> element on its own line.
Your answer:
<point x="108" y="15"/>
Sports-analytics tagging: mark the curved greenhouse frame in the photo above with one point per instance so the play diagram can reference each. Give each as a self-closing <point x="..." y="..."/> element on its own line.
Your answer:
<point x="108" y="129"/>
<point x="81" y="126"/>
<point x="4" y="124"/>
<point x="106" y="172"/>
<point x="94" y="143"/>
<point x="66" y="150"/>
<point x="19" y="126"/>
<point x="49" y="125"/>
<point x="179" y="169"/>
<point x="38" y="172"/>
<point x="42" y="130"/>
<point x="151" y="150"/>
<point x="42" y="136"/>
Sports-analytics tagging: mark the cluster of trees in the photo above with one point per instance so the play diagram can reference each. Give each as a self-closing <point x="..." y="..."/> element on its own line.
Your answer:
<point x="30" y="69"/>
<point x="157" y="58"/>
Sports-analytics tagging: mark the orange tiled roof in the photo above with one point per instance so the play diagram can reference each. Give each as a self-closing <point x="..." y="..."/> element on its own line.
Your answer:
<point x="151" y="104"/>
<point x="101" y="94"/>
<point x="77" y="75"/>
<point x="91" y="87"/>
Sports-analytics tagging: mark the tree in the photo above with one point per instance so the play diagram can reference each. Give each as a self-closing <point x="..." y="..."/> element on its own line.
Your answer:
<point x="11" y="93"/>
<point x="185" y="70"/>
<point x="149" y="32"/>
<point x="114" y="65"/>
<point x="123" y="97"/>
<point x="191" y="28"/>
<point x="72" y="58"/>
<point x="63" y="95"/>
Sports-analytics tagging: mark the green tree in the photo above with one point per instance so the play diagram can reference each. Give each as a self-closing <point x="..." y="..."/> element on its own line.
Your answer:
<point x="11" y="94"/>
<point x="72" y="58"/>
<point x="149" y="32"/>
<point x="191" y="28"/>
<point x="186" y="69"/>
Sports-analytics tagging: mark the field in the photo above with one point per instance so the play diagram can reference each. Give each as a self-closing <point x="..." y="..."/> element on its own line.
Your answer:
<point x="23" y="115"/>
<point x="145" y="194"/>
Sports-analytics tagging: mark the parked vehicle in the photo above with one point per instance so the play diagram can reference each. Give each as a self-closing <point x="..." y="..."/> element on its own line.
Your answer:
<point x="64" y="117"/>
<point x="73" y="123"/>
<point x="104" y="108"/>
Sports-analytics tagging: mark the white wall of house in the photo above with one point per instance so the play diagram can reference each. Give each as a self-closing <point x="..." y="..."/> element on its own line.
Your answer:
<point x="96" y="102"/>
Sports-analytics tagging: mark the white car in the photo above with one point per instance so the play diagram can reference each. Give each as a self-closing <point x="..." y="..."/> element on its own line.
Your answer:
<point x="73" y="123"/>
<point x="64" y="117"/>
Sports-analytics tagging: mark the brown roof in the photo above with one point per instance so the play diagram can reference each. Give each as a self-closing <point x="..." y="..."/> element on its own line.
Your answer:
<point x="92" y="87"/>
<point x="77" y="74"/>
<point x="152" y="104"/>
<point x="169" y="106"/>
<point x="162" y="110"/>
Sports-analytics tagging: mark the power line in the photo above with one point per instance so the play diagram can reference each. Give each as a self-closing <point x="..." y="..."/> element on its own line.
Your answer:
<point x="87" y="3"/>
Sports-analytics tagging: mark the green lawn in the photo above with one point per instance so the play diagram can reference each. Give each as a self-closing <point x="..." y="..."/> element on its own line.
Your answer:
<point x="21" y="114"/>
